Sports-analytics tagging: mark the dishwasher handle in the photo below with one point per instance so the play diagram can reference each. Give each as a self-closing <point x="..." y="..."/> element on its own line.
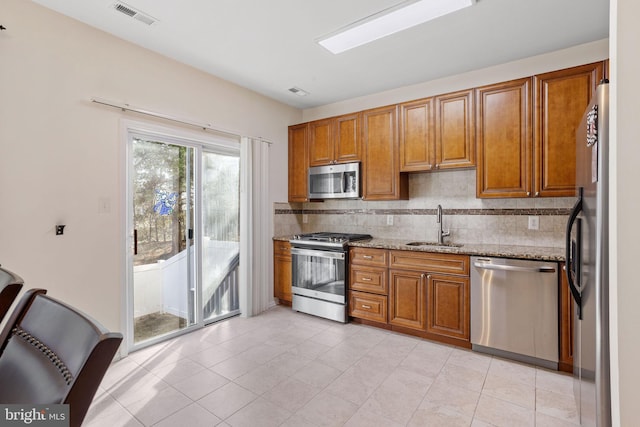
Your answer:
<point x="502" y="267"/>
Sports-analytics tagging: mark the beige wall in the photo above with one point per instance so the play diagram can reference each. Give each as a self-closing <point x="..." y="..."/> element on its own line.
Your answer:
<point x="60" y="154"/>
<point x="625" y="205"/>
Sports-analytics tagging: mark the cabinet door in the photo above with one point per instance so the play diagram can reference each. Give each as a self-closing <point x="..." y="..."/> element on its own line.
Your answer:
<point x="504" y="139"/>
<point x="347" y="139"/>
<point x="320" y="143"/>
<point x="455" y="132"/>
<point x="430" y="261"/>
<point x="368" y="279"/>
<point x="416" y="136"/>
<point x="368" y="306"/>
<point x="381" y="174"/>
<point x="561" y="99"/>
<point x="298" y="163"/>
<point x="282" y="271"/>
<point x="407" y="299"/>
<point x="448" y="306"/>
<point x="369" y="256"/>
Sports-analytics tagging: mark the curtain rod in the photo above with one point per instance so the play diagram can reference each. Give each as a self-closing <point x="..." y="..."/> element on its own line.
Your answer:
<point x="203" y="126"/>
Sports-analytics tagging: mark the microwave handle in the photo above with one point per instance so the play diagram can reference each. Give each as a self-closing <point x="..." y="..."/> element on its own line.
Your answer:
<point x="343" y="183"/>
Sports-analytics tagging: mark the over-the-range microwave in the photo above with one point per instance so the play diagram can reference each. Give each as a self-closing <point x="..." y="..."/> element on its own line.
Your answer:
<point x="339" y="181"/>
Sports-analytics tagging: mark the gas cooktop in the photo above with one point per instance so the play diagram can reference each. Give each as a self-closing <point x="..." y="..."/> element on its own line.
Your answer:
<point x="326" y="239"/>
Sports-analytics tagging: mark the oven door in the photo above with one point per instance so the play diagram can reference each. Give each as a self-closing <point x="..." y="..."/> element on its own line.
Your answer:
<point x="319" y="274"/>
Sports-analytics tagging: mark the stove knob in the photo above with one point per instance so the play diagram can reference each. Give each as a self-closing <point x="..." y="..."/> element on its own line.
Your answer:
<point x="297" y="236"/>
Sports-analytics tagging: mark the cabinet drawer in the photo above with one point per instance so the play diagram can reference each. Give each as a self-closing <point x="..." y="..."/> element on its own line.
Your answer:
<point x="368" y="306"/>
<point x="281" y="248"/>
<point x="368" y="279"/>
<point x="430" y="262"/>
<point x="368" y="256"/>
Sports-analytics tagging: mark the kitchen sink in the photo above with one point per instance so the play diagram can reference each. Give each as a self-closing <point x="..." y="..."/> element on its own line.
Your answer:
<point x="446" y="245"/>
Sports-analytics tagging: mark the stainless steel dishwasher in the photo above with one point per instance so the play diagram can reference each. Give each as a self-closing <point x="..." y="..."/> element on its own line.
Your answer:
<point x="514" y="309"/>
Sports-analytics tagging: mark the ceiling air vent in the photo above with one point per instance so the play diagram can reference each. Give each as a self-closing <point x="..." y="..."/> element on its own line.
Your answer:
<point x="133" y="13"/>
<point x="298" y="91"/>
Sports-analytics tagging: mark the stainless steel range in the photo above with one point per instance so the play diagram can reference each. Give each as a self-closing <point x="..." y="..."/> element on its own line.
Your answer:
<point x="320" y="273"/>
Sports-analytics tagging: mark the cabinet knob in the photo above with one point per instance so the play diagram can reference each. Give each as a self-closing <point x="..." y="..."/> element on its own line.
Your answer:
<point x="366" y="306"/>
<point x="528" y="193"/>
<point x="537" y="194"/>
<point x="437" y="166"/>
<point x="366" y="279"/>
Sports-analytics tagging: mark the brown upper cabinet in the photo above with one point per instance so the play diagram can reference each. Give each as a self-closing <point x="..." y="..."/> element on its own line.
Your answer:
<point x="417" y="139"/>
<point x="380" y="166"/>
<point x="334" y="140"/>
<point x="560" y="100"/>
<point x="526" y="137"/>
<point x="455" y="131"/>
<point x="520" y="134"/>
<point x="298" y="166"/>
<point x="437" y="133"/>
<point x="504" y="139"/>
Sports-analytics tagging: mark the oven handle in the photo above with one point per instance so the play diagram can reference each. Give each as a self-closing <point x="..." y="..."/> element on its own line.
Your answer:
<point x="316" y="253"/>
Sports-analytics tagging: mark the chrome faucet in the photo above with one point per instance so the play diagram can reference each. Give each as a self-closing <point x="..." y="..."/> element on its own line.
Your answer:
<point x="441" y="233"/>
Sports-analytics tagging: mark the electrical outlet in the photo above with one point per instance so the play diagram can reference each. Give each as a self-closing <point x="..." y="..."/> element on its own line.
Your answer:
<point x="389" y="219"/>
<point x="534" y="222"/>
<point x="305" y="218"/>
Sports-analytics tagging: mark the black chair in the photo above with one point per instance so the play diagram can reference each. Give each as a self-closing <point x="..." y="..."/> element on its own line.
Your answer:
<point x="52" y="353"/>
<point x="10" y="285"/>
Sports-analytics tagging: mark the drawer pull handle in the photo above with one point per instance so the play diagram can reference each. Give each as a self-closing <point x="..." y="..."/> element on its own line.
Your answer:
<point x="366" y="279"/>
<point x="367" y="256"/>
<point x="366" y="306"/>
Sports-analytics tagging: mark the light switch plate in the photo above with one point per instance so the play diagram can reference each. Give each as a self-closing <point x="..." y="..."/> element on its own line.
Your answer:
<point x="534" y="222"/>
<point x="305" y="218"/>
<point x="389" y="219"/>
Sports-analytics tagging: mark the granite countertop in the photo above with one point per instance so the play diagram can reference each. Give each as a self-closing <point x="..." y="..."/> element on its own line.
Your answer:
<point x="502" y="251"/>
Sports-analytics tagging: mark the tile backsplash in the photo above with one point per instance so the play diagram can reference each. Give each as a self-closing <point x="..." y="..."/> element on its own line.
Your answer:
<point x="470" y="220"/>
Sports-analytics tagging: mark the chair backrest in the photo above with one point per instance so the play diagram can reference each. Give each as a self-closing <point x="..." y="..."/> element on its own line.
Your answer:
<point x="52" y="353"/>
<point x="10" y="285"/>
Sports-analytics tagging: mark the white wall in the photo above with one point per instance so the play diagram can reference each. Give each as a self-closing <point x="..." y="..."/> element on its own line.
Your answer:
<point x="60" y="154"/>
<point x="624" y="208"/>
<point x="577" y="55"/>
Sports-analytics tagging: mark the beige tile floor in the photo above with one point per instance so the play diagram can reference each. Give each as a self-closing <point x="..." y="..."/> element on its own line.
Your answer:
<point x="283" y="368"/>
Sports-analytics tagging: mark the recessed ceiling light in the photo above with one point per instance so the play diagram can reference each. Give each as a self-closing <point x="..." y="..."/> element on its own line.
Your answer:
<point x="390" y="21"/>
<point x="298" y="91"/>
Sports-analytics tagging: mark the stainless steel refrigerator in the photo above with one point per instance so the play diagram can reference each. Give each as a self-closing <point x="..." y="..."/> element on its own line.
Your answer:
<point x="588" y="264"/>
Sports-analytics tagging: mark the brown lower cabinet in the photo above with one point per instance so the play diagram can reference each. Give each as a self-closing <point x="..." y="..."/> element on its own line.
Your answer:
<point x="408" y="299"/>
<point x="427" y="294"/>
<point x="449" y="310"/>
<point x="368" y="287"/>
<point x="282" y="271"/>
<point x="368" y="306"/>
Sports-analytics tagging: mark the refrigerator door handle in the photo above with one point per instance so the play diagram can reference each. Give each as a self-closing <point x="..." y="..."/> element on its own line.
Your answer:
<point x="573" y="251"/>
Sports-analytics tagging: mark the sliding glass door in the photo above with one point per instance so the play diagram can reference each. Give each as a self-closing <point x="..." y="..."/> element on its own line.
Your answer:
<point x="220" y="234"/>
<point x="184" y="225"/>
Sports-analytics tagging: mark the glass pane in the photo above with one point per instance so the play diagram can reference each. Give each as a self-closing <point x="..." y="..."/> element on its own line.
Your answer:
<point x="221" y="234"/>
<point x="162" y="184"/>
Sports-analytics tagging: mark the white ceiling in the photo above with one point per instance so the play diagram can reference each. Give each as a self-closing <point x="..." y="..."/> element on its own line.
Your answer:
<point x="269" y="45"/>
